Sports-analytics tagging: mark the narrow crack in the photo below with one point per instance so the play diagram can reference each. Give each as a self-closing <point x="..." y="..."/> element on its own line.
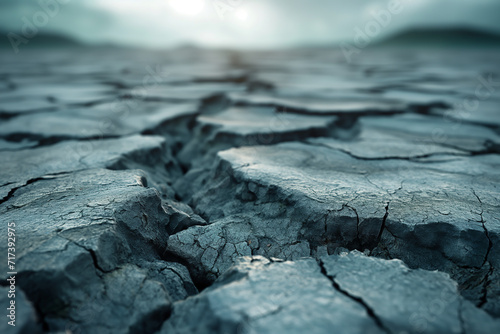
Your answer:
<point x="92" y="253"/>
<point x="486" y="281"/>
<point x="309" y="112"/>
<point x="484" y="291"/>
<point x="27" y="183"/>
<point x="357" y="225"/>
<point x="371" y="313"/>
<point x="486" y="232"/>
<point x="412" y="159"/>
<point x="382" y="227"/>
<point x="13" y="190"/>
<point x="490" y="243"/>
<point x="95" y="261"/>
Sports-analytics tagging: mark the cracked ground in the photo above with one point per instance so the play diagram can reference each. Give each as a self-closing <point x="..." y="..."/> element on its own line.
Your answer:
<point x="198" y="191"/>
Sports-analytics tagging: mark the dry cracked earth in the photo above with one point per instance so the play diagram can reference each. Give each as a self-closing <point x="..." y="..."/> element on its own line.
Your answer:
<point x="196" y="191"/>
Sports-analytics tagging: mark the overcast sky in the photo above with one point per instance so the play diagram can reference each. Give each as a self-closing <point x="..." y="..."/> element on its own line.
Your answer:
<point x="240" y="23"/>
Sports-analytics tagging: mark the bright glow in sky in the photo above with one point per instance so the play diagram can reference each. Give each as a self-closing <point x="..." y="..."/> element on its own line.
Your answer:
<point x="187" y="7"/>
<point x="241" y="23"/>
<point x="241" y="14"/>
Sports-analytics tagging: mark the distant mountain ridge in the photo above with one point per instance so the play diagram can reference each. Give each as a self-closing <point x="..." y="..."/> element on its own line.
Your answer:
<point x="41" y="39"/>
<point x="418" y="37"/>
<point x="443" y="37"/>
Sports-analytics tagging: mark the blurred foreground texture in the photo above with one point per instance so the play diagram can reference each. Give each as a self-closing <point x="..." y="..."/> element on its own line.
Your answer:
<point x="203" y="190"/>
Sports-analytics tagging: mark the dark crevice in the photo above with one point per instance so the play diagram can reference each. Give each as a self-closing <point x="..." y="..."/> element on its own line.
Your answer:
<point x="490" y="148"/>
<point x="426" y="109"/>
<point x="40" y="317"/>
<point x="200" y="284"/>
<point x="371" y="313"/>
<point x="189" y="290"/>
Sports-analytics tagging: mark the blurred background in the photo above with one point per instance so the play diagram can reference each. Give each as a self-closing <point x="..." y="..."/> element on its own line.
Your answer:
<point x="248" y="24"/>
